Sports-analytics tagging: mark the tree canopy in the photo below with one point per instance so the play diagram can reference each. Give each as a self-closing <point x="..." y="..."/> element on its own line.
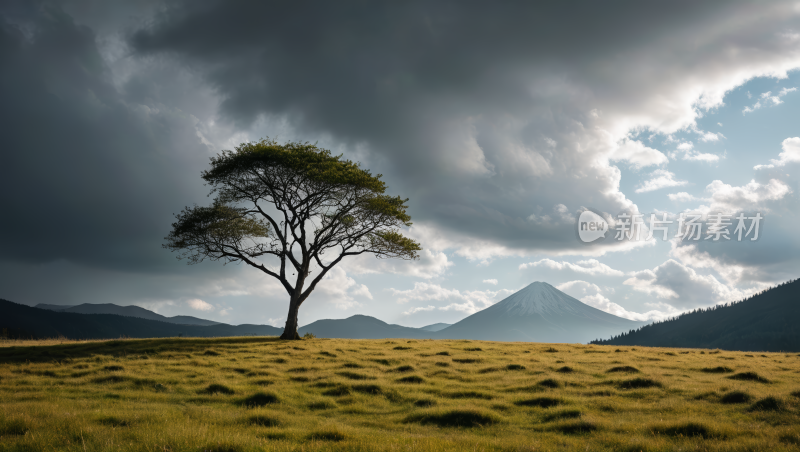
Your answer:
<point x="292" y="207"/>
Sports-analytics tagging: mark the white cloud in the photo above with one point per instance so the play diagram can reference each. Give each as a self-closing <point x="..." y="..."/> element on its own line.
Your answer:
<point x="710" y="136"/>
<point x="578" y="288"/>
<point x="790" y="154"/>
<point x="342" y="290"/>
<point x="684" y="197"/>
<point x="490" y="281"/>
<point x="591" y="295"/>
<point x="682" y="287"/>
<point x="432" y="263"/>
<point x="729" y="199"/>
<point x="637" y="154"/>
<point x="469" y="301"/>
<point x="691" y="256"/>
<point x="769" y="99"/>
<point x="691" y="154"/>
<point x="419" y="309"/>
<point x="199" y="305"/>
<point x="588" y="266"/>
<point x="604" y="304"/>
<point x="660" y="179"/>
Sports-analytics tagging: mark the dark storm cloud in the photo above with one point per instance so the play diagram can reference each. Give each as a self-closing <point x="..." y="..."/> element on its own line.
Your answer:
<point x="480" y="111"/>
<point x="85" y="176"/>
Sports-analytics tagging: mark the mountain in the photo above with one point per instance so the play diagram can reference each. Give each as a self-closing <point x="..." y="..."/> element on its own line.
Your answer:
<point x="362" y="327"/>
<point x="538" y="313"/>
<point x="54" y="307"/>
<point x="435" y="326"/>
<point x="130" y="311"/>
<point x="763" y="322"/>
<point x="23" y="321"/>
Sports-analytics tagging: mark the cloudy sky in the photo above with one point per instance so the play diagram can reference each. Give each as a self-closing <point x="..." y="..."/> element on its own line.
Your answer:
<point x="501" y="122"/>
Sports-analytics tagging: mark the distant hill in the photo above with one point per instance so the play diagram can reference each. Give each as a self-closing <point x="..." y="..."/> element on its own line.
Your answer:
<point x="27" y="322"/>
<point x="130" y="311"/>
<point x="538" y="313"/>
<point x="764" y="322"/>
<point x="362" y="327"/>
<point x="435" y="326"/>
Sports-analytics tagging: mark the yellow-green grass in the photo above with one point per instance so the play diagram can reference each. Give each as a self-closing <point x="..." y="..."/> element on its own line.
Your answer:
<point x="240" y="394"/>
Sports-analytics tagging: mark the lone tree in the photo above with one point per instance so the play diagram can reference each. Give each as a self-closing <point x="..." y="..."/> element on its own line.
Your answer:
<point x="296" y="206"/>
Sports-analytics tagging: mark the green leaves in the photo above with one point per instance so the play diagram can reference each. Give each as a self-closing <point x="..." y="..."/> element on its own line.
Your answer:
<point x="301" y="162"/>
<point x="206" y="232"/>
<point x="395" y="243"/>
<point x="297" y="203"/>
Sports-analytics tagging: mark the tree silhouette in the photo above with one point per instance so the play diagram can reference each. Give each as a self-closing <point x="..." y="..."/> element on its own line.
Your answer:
<point x="296" y="206"/>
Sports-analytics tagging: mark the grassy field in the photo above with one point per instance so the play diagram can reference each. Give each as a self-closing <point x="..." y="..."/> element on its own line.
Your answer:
<point x="240" y="394"/>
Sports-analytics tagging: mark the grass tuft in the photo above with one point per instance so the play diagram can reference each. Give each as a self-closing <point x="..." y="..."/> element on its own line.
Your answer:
<point x="400" y="347"/>
<point x="113" y="368"/>
<point x="466" y="360"/>
<point x="469" y="395"/>
<point x="515" y="367"/>
<point x="549" y="383"/>
<point x="454" y="418"/>
<point x="717" y="370"/>
<point x="338" y="391"/>
<point x="565" y="370"/>
<point x="14" y="427"/>
<point x="767" y="404"/>
<point x="623" y="369"/>
<point x="260" y="399"/>
<point x="542" y="402"/>
<point x="735" y="397"/>
<point x="424" y="403"/>
<point x="222" y="447"/>
<point x="749" y="376"/>
<point x="560" y="415"/>
<point x="264" y="421"/>
<point x="326" y="435"/>
<point x="321" y="405"/>
<point x="639" y="383"/>
<point x="411" y="379"/>
<point x="216" y="389"/>
<point x="443" y="354"/>
<point x="686" y="430"/>
<point x="210" y="353"/>
<point x="575" y="427"/>
<point x="404" y="369"/>
<point x="354" y="376"/>
<point x="113" y="421"/>
<point x="368" y="389"/>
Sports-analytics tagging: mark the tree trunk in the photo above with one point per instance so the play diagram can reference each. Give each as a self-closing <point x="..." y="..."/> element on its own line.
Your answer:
<point x="290" y="330"/>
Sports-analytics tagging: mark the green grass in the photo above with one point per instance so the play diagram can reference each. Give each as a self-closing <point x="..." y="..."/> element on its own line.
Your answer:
<point x="248" y="394"/>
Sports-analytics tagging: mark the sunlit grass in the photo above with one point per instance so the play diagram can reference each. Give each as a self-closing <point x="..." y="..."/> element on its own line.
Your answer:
<point x="239" y="394"/>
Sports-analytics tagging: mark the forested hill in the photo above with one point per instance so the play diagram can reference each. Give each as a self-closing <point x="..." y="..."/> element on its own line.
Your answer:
<point x="25" y="322"/>
<point x="767" y="321"/>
